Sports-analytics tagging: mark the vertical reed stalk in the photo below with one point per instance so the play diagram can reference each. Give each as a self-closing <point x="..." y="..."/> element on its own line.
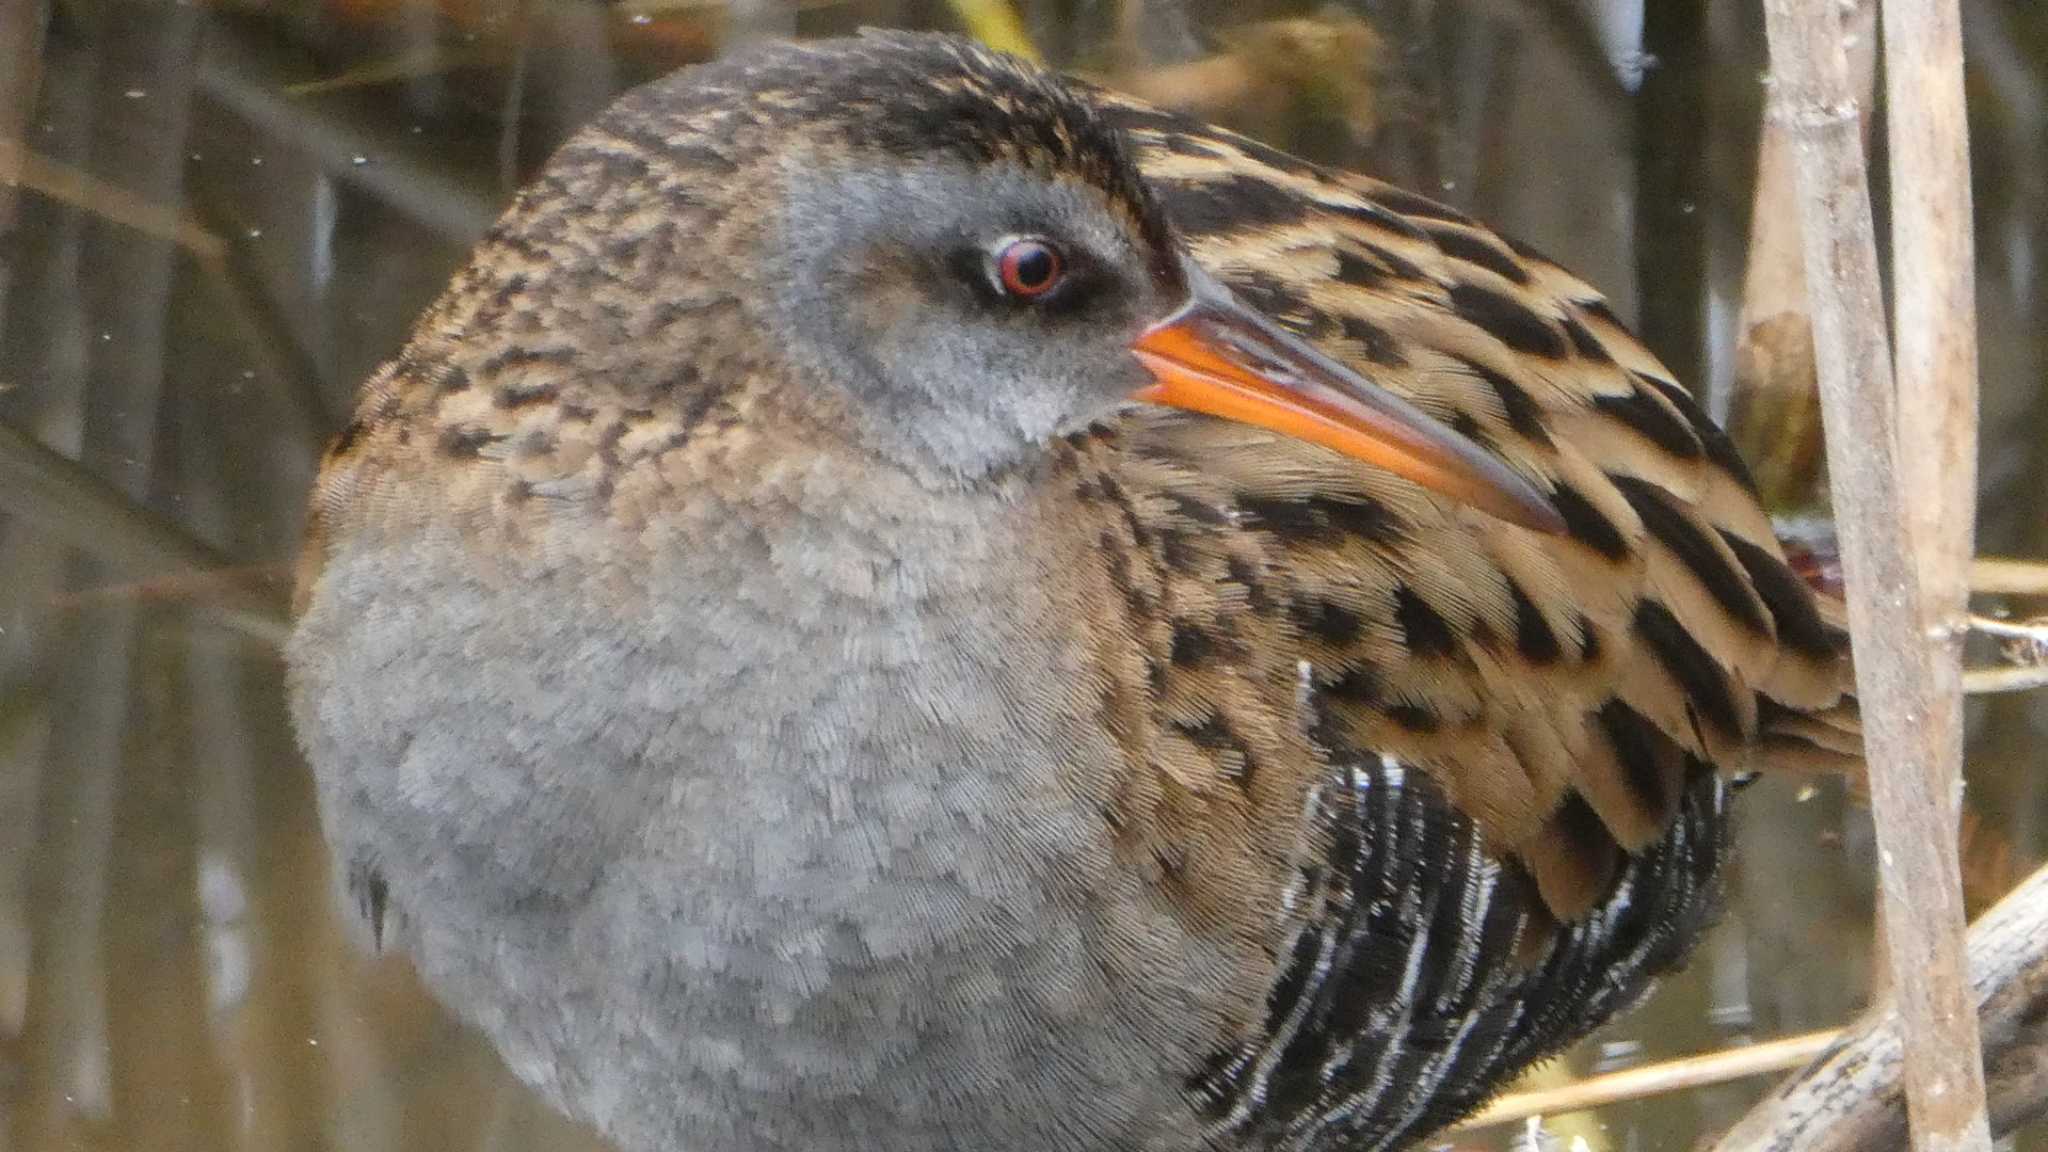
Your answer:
<point x="1913" y="757"/>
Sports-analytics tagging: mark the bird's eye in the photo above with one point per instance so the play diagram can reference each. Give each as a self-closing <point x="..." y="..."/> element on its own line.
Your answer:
<point x="1028" y="268"/>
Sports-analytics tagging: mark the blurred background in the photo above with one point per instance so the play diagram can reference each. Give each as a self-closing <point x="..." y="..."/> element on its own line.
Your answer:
<point x="217" y="216"/>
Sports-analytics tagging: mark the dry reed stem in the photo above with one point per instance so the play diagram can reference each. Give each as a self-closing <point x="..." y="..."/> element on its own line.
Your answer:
<point x="22" y="168"/>
<point x="2030" y="636"/>
<point x="1934" y="337"/>
<point x="70" y="503"/>
<point x="1773" y="408"/>
<point x="1913" y="756"/>
<point x="1679" y="1075"/>
<point x="1580" y="1131"/>
<point x="1992" y="681"/>
<point x="1849" y="1100"/>
<point x="241" y="82"/>
<point x="1774" y="348"/>
<point x="1994" y="576"/>
<point x="55" y="494"/>
<point x="1934" y="329"/>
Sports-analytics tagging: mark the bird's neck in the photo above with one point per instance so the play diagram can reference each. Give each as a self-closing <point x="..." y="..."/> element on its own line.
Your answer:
<point x="794" y="594"/>
<point x="840" y="537"/>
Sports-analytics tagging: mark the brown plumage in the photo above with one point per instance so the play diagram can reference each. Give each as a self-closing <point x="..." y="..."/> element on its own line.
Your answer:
<point x="1513" y="667"/>
<point x="1445" y="790"/>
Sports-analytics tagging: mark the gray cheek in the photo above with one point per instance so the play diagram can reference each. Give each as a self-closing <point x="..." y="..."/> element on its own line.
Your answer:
<point x="994" y="395"/>
<point x="1065" y="378"/>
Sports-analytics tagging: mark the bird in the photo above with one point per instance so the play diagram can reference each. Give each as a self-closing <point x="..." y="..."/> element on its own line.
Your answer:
<point x="900" y="600"/>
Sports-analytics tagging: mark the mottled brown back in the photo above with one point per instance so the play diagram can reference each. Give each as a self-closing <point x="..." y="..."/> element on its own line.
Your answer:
<point x="1553" y="687"/>
<point x="1511" y="746"/>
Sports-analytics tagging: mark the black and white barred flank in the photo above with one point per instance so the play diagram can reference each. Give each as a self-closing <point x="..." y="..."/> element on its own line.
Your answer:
<point x="1396" y="1013"/>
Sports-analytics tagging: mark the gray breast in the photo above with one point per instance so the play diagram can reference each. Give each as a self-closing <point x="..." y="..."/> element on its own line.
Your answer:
<point x="762" y="859"/>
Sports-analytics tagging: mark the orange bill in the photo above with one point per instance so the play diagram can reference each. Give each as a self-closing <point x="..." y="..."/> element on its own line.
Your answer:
<point x="1218" y="357"/>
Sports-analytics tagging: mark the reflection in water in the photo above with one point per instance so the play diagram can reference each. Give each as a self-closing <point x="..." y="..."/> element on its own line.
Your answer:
<point x="224" y="219"/>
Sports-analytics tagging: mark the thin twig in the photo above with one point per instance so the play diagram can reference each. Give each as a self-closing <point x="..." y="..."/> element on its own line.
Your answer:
<point x="2024" y="646"/>
<point x="1991" y="681"/>
<point x="1910" y="759"/>
<point x="418" y="64"/>
<point x="2033" y="633"/>
<point x="1700" y="1071"/>
<point x="20" y="167"/>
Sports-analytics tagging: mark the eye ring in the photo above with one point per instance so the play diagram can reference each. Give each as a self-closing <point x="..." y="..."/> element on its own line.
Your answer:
<point x="1028" y="268"/>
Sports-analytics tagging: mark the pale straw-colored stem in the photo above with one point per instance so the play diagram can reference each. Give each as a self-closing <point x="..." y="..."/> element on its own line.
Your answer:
<point x="1996" y="576"/>
<point x="1700" y="1071"/>
<point x="1907" y="715"/>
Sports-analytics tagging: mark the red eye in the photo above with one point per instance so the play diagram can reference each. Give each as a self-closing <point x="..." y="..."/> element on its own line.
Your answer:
<point x="1029" y="268"/>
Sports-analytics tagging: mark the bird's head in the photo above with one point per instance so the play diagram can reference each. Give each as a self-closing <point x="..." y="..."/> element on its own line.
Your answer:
<point x="959" y="247"/>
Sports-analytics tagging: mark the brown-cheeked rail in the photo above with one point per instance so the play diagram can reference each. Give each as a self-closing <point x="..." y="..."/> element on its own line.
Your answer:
<point x="900" y="602"/>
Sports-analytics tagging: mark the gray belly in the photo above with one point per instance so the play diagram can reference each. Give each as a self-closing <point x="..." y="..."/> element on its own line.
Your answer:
<point x="721" y="898"/>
